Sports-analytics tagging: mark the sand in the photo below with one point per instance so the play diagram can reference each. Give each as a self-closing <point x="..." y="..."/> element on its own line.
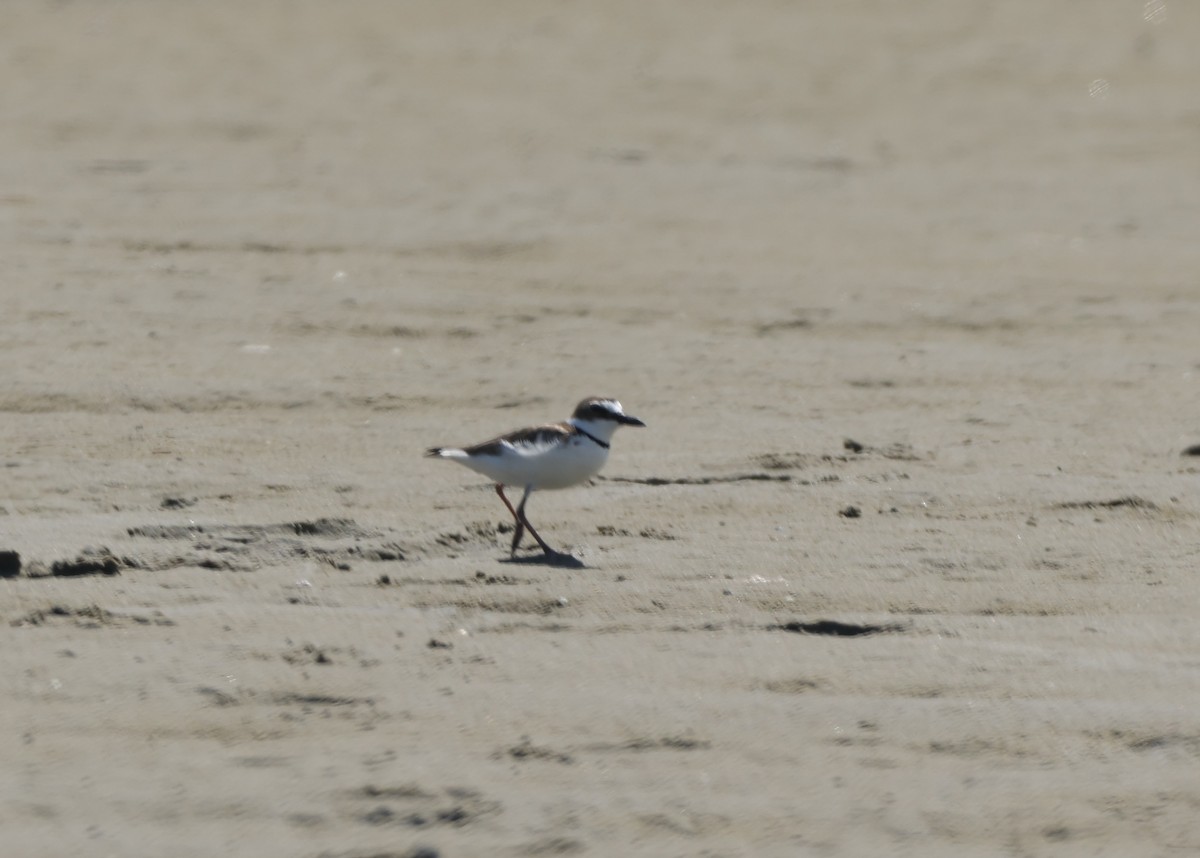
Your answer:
<point x="257" y="256"/>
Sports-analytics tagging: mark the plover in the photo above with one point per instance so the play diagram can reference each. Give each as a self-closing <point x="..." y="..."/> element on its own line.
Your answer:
<point x="554" y="456"/>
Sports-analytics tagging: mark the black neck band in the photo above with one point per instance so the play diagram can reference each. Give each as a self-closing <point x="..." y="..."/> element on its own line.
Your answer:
<point x="588" y="434"/>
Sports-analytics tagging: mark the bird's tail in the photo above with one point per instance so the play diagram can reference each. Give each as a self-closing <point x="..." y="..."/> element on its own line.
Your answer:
<point x="445" y="453"/>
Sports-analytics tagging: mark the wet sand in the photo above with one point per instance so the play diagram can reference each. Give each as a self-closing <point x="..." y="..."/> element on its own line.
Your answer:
<point x="258" y="257"/>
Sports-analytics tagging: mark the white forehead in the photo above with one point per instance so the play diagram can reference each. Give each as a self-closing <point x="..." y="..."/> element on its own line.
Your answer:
<point x="599" y="405"/>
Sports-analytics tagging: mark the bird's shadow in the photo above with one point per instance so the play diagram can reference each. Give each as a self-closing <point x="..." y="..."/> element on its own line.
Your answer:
<point x="556" y="560"/>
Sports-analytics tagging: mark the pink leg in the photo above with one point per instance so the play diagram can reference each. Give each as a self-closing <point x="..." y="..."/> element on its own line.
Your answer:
<point x="521" y="514"/>
<point x="519" y="531"/>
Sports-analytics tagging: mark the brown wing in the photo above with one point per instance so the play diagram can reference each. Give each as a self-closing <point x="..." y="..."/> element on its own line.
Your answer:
<point x="533" y="438"/>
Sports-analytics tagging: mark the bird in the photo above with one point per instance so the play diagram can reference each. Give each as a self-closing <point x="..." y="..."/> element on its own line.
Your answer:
<point x="550" y="456"/>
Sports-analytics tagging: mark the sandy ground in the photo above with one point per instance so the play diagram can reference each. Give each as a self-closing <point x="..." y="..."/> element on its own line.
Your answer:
<point x="258" y="255"/>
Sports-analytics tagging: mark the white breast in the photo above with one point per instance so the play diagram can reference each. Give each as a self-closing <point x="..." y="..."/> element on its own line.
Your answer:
<point x="557" y="466"/>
